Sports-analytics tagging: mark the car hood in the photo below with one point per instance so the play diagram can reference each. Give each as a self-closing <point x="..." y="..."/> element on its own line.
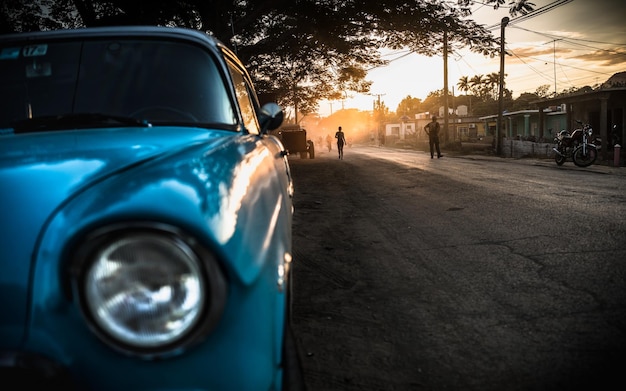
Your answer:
<point x="39" y="172"/>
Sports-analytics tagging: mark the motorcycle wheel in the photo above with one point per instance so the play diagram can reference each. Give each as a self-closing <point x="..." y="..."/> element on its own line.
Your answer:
<point x="585" y="160"/>
<point x="559" y="159"/>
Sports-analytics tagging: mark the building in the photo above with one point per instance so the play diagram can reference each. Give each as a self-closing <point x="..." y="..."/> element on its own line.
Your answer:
<point x="529" y="124"/>
<point x="462" y="127"/>
<point x="404" y="130"/>
<point x="603" y="109"/>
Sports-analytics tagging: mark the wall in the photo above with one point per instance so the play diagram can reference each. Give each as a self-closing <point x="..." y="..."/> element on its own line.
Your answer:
<point x="518" y="148"/>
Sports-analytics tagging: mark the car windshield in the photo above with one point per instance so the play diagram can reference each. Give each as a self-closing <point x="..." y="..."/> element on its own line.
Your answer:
<point x="152" y="82"/>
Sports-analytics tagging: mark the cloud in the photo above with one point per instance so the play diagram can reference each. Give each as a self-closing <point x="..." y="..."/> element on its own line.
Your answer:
<point x="609" y="57"/>
<point x="563" y="33"/>
<point x="543" y="53"/>
<point x="540" y="51"/>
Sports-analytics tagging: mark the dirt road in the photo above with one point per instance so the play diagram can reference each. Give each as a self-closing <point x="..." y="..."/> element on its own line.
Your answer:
<point x="377" y="306"/>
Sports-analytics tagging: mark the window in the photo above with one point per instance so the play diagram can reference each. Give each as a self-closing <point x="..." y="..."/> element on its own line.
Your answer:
<point x="37" y="80"/>
<point x="243" y="91"/>
<point x="153" y="80"/>
<point x="159" y="81"/>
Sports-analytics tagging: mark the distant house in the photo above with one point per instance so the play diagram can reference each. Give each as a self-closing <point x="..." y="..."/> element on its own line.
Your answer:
<point x="468" y="128"/>
<point x="462" y="127"/>
<point x="403" y="130"/>
<point x="602" y="109"/>
<point x="529" y="124"/>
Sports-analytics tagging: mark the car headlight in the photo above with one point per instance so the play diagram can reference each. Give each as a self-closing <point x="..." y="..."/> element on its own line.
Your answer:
<point x="148" y="290"/>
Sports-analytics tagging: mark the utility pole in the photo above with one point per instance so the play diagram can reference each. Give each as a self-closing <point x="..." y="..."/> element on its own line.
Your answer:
<point x="445" y="86"/>
<point x="554" y="62"/>
<point x="378" y="97"/>
<point x="553" y="42"/>
<point x="378" y="113"/>
<point x="295" y="105"/>
<point x="554" y="65"/>
<point x="499" y="126"/>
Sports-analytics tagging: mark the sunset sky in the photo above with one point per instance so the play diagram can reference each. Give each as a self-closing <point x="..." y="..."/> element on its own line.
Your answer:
<point x="582" y="42"/>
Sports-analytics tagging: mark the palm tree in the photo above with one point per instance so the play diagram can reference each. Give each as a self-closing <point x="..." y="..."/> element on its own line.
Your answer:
<point x="464" y="85"/>
<point x="476" y="84"/>
<point x="493" y="81"/>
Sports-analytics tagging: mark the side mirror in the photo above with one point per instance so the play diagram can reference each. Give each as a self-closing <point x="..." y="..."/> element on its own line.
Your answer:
<point x="271" y="117"/>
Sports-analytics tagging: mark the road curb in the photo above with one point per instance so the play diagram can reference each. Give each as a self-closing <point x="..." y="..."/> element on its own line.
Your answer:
<point x="596" y="168"/>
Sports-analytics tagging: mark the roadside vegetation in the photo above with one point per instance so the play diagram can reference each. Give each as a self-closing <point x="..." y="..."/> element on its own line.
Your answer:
<point x="299" y="52"/>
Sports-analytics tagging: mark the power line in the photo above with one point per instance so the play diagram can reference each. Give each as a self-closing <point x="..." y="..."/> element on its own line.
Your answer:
<point x="537" y="12"/>
<point x="610" y="51"/>
<point x="556" y="36"/>
<point x="530" y="66"/>
<point x="568" y="40"/>
<point x="462" y="58"/>
<point x="565" y="74"/>
<point x="530" y="15"/>
<point x="541" y="11"/>
<point x="554" y="41"/>
<point x="570" y="82"/>
<point x="568" y="66"/>
<point x="400" y="55"/>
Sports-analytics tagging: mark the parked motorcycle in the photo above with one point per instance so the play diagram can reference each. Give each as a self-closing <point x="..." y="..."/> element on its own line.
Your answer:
<point x="614" y="138"/>
<point x="576" y="146"/>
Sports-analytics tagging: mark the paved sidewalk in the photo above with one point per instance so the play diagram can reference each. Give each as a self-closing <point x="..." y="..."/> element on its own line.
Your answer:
<point x="600" y="168"/>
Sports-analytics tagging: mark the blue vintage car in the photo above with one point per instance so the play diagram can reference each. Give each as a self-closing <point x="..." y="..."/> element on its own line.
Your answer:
<point x="145" y="239"/>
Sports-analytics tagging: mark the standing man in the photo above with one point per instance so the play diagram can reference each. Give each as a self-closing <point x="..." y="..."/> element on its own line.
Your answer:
<point x="432" y="130"/>
<point x="341" y="140"/>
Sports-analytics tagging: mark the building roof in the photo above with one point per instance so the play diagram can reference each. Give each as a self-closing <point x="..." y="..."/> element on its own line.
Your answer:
<point x="521" y="112"/>
<point x="580" y="96"/>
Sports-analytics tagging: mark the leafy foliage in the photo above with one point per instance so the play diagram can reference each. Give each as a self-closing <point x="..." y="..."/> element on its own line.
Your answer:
<point x="409" y="106"/>
<point x="516" y="6"/>
<point x="300" y="51"/>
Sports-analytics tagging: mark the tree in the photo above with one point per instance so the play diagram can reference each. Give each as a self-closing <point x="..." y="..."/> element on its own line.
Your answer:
<point x="358" y="125"/>
<point x="492" y="82"/>
<point x="524" y="102"/>
<point x="543" y="91"/>
<point x="28" y="15"/>
<point x="489" y="105"/>
<point x="409" y="106"/>
<point x="463" y="84"/>
<point x="301" y="51"/>
<point x="515" y="6"/>
<point x="307" y="54"/>
<point x="477" y="85"/>
<point x="433" y="102"/>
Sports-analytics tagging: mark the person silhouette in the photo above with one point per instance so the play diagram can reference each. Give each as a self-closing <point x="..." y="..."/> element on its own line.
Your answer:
<point x="341" y="140"/>
<point x="432" y="130"/>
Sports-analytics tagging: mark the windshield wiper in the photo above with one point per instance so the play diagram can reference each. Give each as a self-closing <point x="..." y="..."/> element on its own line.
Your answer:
<point x="75" y="121"/>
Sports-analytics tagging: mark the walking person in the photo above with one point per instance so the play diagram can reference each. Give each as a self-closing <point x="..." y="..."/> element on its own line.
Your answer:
<point x="432" y="130"/>
<point x="341" y="140"/>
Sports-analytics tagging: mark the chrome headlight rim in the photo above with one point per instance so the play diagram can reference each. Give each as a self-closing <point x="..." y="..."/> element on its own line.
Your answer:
<point x="210" y="273"/>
